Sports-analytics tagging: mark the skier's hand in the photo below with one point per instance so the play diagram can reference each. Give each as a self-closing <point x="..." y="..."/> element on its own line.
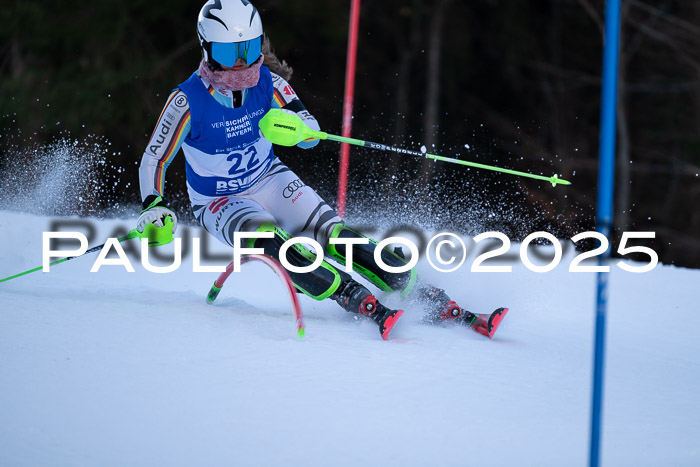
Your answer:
<point x="155" y="212"/>
<point x="310" y="121"/>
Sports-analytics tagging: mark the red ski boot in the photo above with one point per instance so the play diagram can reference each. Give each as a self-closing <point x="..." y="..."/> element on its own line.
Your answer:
<point x="442" y="309"/>
<point x="355" y="298"/>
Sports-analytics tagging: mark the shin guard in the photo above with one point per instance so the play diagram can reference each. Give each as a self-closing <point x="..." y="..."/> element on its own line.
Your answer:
<point x="320" y="283"/>
<point x="364" y="263"/>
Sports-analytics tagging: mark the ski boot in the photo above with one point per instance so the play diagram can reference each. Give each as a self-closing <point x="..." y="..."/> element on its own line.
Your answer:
<point x="442" y="309"/>
<point x="355" y="298"/>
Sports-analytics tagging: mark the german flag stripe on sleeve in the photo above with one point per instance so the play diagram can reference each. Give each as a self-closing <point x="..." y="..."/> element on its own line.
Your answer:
<point x="279" y="100"/>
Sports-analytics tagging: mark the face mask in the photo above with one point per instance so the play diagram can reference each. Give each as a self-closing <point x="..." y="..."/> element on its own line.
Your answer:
<point x="232" y="80"/>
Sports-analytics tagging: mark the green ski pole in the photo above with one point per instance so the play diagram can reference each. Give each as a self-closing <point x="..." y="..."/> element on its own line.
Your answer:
<point x="133" y="234"/>
<point x="155" y="235"/>
<point x="288" y="129"/>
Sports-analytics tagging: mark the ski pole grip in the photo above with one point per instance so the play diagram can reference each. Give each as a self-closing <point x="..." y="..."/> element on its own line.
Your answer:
<point x="158" y="236"/>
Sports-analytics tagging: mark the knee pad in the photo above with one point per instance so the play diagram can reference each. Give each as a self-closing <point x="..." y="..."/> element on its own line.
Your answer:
<point x="320" y="283"/>
<point x="364" y="263"/>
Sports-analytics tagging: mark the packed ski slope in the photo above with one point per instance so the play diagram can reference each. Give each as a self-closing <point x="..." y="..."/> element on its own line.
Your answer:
<point x="118" y="368"/>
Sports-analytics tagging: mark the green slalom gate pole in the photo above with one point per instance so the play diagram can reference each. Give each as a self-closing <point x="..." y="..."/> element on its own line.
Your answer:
<point x="288" y="129"/>
<point x="156" y="236"/>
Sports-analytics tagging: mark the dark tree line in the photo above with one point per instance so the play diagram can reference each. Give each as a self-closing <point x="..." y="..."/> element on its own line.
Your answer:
<point x="507" y="83"/>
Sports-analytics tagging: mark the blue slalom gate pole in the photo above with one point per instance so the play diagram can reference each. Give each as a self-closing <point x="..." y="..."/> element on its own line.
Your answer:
<point x="606" y="189"/>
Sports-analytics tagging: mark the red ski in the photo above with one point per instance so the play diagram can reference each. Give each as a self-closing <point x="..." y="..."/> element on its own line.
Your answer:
<point x="387" y="322"/>
<point x="486" y="324"/>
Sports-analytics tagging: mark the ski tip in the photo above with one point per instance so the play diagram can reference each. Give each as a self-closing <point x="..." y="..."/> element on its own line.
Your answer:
<point x="486" y="324"/>
<point x="389" y="323"/>
<point x="495" y="320"/>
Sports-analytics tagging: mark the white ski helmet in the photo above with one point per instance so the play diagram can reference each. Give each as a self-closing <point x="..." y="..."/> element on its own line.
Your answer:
<point x="229" y="30"/>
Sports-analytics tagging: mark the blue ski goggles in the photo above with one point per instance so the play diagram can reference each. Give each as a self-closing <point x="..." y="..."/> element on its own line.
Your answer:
<point x="226" y="53"/>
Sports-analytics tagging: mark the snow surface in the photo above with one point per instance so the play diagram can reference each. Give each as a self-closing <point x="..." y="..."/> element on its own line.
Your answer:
<point x="118" y="368"/>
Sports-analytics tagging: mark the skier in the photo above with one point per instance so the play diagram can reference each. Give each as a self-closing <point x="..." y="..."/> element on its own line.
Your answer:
<point x="235" y="183"/>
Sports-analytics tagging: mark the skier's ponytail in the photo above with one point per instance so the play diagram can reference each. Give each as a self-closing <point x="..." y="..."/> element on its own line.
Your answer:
<point x="275" y="65"/>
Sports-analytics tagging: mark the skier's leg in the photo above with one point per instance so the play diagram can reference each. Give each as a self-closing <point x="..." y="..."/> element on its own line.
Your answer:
<point x="281" y="201"/>
<point x="365" y="264"/>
